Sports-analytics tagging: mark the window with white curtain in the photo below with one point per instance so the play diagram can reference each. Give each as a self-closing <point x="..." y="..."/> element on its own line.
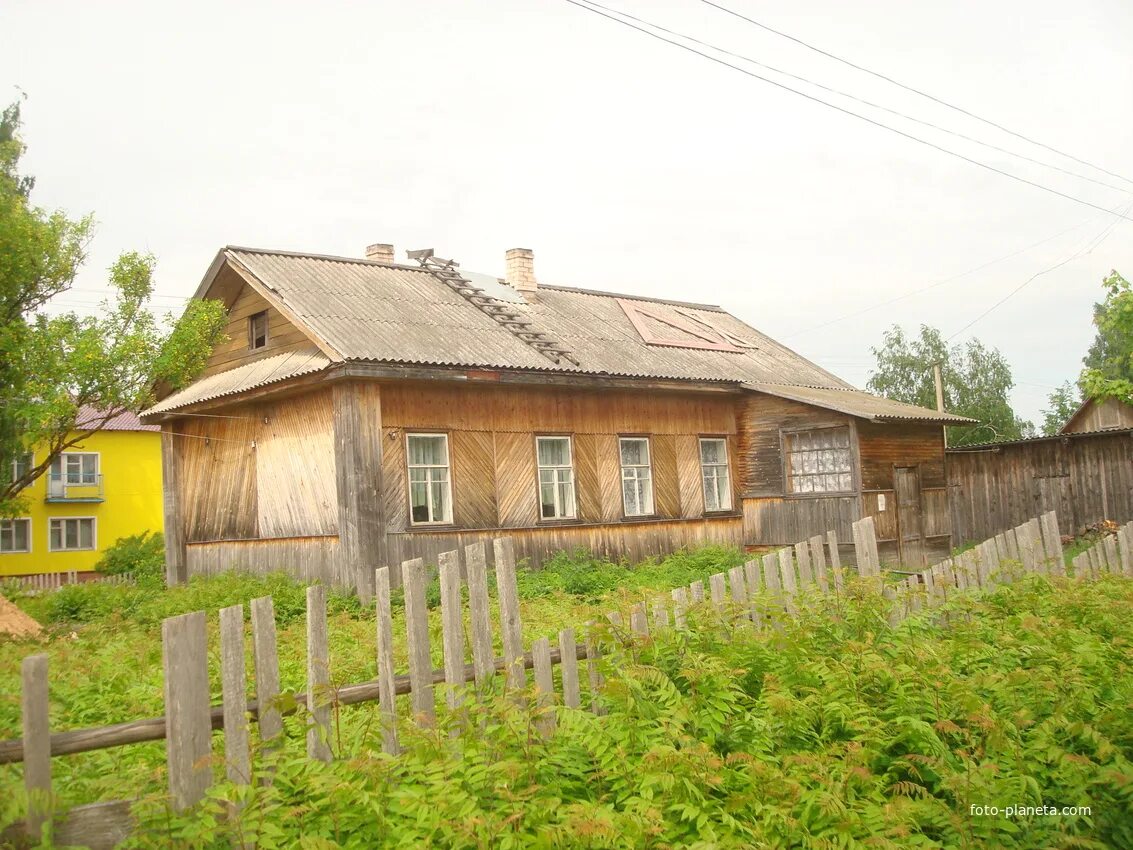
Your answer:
<point x="637" y="476"/>
<point x="819" y="461"/>
<point x="556" y="478"/>
<point x="714" y="474"/>
<point x="430" y="487"/>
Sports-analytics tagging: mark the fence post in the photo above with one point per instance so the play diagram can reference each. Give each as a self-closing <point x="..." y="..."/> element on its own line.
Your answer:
<point x="234" y="690"/>
<point x="716" y="584"/>
<point x="1125" y="541"/>
<point x="188" y="724"/>
<point x="1109" y="544"/>
<point x="417" y="631"/>
<point x="802" y="557"/>
<point x="751" y="574"/>
<point x="787" y="577"/>
<point x="318" y="674"/>
<point x="680" y="605"/>
<point x="387" y="696"/>
<point x="544" y="685"/>
<point x="1054" y="542"/>
<point x="480" y="613"/>
<point x="37" y="741"/>
<point x="452" y="626"/>
<point x="568" y="661"/>
<point x="593" y="653"/>
<point x="267" y="668"/>
<point x="638" y="622"/>
<point x="511" y="629"/>
<point x="660" y="615"/>
<point x="739" y="589"/>
<point x="696" y="591"/>
<point x="818" y="563"/>
<point x="835" y="558"/>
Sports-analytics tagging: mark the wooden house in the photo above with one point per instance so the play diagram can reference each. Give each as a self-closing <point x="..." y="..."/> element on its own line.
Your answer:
<point x="1099" y="415"/>
<point x="364" y="411"/>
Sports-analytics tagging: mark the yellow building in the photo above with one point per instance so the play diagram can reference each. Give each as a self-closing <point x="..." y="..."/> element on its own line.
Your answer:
<point x="104" y="488"/>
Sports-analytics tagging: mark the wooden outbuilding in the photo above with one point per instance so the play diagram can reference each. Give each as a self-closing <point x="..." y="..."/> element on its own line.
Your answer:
<point x="1099" y="415"/>
<point x="364" y="411"/>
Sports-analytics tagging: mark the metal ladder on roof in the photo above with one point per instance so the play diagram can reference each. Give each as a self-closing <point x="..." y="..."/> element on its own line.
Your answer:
<point x="448" y="272"/>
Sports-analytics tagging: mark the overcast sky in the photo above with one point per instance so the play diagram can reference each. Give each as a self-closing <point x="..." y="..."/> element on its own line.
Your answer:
<point x="623" y="162"/>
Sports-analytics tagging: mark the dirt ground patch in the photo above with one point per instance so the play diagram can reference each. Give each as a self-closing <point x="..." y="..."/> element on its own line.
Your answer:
<point x="15" y="623"/>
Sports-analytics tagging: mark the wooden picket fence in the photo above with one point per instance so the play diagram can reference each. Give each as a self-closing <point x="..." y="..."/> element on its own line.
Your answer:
<point x="759" y="592"/>
<point x="40" y="583"/>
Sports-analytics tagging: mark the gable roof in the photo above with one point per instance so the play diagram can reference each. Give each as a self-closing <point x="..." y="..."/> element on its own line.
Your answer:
<point x="92" y="417"/>
<point x="857" y="403"/>
<point x="357" y="310"/>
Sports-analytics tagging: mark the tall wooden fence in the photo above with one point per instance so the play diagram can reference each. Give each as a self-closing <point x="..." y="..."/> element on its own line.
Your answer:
<point x="1084" y="478"/>
<point x="757" y="594"/>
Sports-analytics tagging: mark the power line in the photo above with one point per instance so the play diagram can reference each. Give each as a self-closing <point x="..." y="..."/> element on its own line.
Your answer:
<point x="912" y="89"/>
<point x="857" y="99"/>
<point x="858" y="115"/>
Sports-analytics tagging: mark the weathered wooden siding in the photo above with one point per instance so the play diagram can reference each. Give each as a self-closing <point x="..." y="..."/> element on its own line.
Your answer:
<point x="884" y="446"/>
<point x="1084" y="477"/>
<point x="258" y="470"/>
<point x="761" y="421"/>
<point x="777" y="521"/>
<point x="306" y="558"/>
<point x="242" y="302"/>
<point x="1099" y="415"/>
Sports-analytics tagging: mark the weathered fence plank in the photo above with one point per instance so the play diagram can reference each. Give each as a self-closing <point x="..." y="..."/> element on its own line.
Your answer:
<point x="480" y="612"/>
<point x="37" y="740"/>
<point x="318" y="674"/>
<point x="680" y="606"/>
<point x="752" y="577"/>
<point x="544" y="685"/>
<point x="660" y="615"/>
<point x="568" y="662"/>
<point x="1113" y="560"/>
<point x="1125" y="544"/>
<point x="593" y="654"/>
<point x="387" y="697"/>
<point x="266" y="657"/>
<point x="638" y="622"/>
<point x="738" y="588"/>
<point x="818" y="562"/>
<point x="511" y="630"/>
<point x="414" y="580"/>
<point x="452" y="626"/>
<point x="234" y="690"/>
<point x="696" y="591"/>
<point x="717" y="584"/>
<point x="188" y="735"/>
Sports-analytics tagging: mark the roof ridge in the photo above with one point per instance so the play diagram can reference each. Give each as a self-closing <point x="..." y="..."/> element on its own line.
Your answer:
<point x="601" y="293"/>
<point x="334" y="258"/>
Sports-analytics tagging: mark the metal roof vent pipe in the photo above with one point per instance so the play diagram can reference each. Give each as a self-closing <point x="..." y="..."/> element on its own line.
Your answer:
<point x="380" y="252"/>
<point x="519" y="265"/>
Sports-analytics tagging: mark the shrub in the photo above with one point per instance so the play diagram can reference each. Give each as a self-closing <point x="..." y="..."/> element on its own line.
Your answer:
<point x="141" y="555"/>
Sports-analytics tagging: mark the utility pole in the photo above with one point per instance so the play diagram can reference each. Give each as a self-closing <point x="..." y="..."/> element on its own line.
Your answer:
<point x="938" y="379"/>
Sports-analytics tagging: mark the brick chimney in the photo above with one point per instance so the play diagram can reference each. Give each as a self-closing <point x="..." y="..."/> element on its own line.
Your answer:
<point x="380" y="252"/>
<point x="520" y="269"/>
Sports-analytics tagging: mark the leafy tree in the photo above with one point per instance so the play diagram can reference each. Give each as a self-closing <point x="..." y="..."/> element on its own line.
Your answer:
<point x="1061" y="405"/>
<point x="1109" y="362"/>
<point x="52" y="367"/>
<point x="976" y="380"/>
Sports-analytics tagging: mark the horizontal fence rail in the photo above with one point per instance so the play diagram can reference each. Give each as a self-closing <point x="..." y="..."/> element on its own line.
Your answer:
<point x="758" y="594"/>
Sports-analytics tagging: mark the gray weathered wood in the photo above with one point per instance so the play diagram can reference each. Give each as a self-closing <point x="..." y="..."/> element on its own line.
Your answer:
<point x="414" y="580"/>
<point x="660" y="615"/>
<point x="511" y="629"/>
<point x="680" y="606"/>
<point x="188" y="736"/>
<point x="718" y="586"/>
<point x="913" y="594"/>
<point x="234" y="691"/>
<point x="176" y="571"/>
<point x="266" y="656"/>
<point x="1109" y="549"/>
<point x="452" y="626"/>
<point x="318" y="675"/>
<point x="818" y="563"/>
<point x="37" y="740"/>
<point x="752" y="578"/>
<point x="638" y="621"/>
<point x="1028" y="553"/>
<point x="835" y="558"/>
<point x="1125" y="545"/>
<point x="1093" y="560"/>
<point x="738" y="587"/>
<point x="1012" y="544"/>
<point x="771" y="578"/>
<point x="870" y="535"/>
<point x="696" y="591"/>
<point x="802" y="558"/>
<point x="480" y="612"/>
<point x="544" y="685"/>
<point x="1054" y="542"/>
<point x="387" y="698"/>
<point x="787" y="577"/>
<point x="593" y="654"/>
<point x="568" y="662"/>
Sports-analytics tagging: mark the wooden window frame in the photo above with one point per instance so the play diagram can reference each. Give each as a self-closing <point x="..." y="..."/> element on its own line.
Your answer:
<point x="727" y="468"/>
<point x="28" y="536"/>
<point x="558" y="520"/>
<point x="785" y="434"/>
<point x="252" y="330"/>
<point x="652" y="514"/>
<point x="63" y="534"/>
<point x="444" y="523"/>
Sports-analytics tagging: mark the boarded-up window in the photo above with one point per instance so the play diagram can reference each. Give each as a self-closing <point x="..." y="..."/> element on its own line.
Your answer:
<point x="430" y="489"/>
<point x="258" y="330"/>
<point x="68" y="535"/>
<point x="714" y="474"/>
<point x="556" y="478"/>
<point x="819" y="461"/>
<point x="637" y="476"/>
<point x="15" y="535"/>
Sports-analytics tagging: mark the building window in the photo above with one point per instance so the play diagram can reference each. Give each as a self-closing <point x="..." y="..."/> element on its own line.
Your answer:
<point x="714" y="474"/>
<point x="75" y="468"/>
<point x="21" y="463"/>
<point x="71" y="534"/>
<point x="637" y="476"/>
<point x="258" y="330"/>
<point x="556" y="478"/>
<point x="430" y="490"/>
<point x="820" y="461"/>
<point x="15" y="535"/>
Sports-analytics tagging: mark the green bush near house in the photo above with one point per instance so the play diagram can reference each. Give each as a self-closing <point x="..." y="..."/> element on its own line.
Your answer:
<point x="140" y="555"/>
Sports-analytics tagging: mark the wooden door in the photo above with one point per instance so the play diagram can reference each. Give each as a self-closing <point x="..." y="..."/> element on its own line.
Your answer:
<point x="911" y="548"/>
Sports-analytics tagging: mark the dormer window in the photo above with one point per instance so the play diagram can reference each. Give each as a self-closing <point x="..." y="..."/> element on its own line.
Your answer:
<point x="258" y="330"/>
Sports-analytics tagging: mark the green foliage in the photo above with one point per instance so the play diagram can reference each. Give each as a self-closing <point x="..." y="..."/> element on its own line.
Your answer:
<point x="976" y="380"/>
<point x="140" y="555"/>
<point x="1061" y="405"/>
<point x="51" y="367"/>
<point x="1109" y="363"/>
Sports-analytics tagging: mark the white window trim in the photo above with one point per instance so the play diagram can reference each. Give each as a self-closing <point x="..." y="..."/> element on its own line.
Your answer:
<point x="30" y="535"/>
<point x="409" y="483"/>
<point x="62" y="461"/>
<point x="727" y="466"/>
<point x="93" y="534"/>
<point x="788" y="478"/>
<point x="31" y="465"/>
<point x="621" y="475"/>
<point x="539" y="479"/>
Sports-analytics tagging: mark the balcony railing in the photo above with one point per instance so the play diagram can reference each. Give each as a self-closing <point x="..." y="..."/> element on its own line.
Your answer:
<point x="64" y="487"/>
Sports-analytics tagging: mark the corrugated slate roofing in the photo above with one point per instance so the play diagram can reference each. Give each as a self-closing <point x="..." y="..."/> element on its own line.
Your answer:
<point x="857" y="403"/>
